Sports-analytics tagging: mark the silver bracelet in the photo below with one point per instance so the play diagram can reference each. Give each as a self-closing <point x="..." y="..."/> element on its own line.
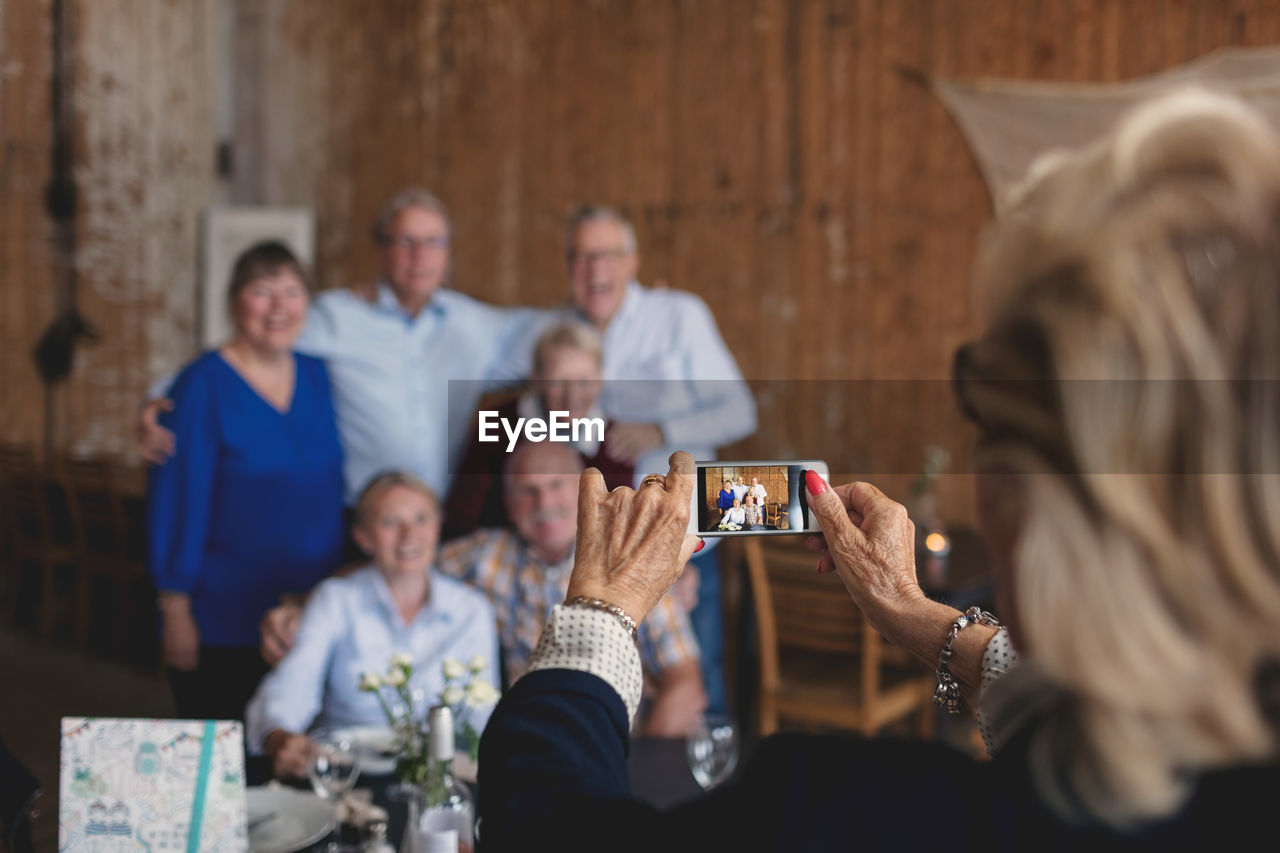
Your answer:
<point x="611" y="609"/>
<point x="948" y="689"/>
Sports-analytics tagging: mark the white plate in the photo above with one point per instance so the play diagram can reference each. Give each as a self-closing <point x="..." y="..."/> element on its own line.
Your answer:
<point x="376" y="746"/>
<point x="301" y="819"/>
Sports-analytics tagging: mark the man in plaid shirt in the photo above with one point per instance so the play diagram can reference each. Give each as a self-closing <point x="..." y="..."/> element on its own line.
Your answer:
<point x="525" y="572"/>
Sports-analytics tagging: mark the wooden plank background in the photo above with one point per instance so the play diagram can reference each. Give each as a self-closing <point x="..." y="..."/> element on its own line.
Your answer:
<point x="775" y="158"/>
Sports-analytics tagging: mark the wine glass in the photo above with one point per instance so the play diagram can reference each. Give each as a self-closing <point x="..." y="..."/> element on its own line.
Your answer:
<point x="712" y="749"/>
<point x="332" y="767"/>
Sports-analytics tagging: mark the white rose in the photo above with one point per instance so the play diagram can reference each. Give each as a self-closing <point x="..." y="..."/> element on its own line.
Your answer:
<point x="451" y="695"/>
<point x="369" y="682"/>
<point x="477" y="663"/>
<point x="452" y="669"/>
<point x="402" y="661"/>
<point x="480" y="692"/>
<point x="395" y="677"/>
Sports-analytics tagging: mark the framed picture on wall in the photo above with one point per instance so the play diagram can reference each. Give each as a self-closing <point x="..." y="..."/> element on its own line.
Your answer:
<point x="228" y="231"/>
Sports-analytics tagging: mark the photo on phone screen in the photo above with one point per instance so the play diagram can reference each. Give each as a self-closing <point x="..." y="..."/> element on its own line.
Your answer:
<point x="752" y="498"/>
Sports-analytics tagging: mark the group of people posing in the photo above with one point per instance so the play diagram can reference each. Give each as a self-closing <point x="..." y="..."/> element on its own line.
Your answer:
<point x="741" y="506"/>
<point x="335" y="436"/>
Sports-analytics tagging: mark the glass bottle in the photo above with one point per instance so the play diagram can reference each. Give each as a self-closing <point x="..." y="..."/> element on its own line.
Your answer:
<point x="444" y="824"/>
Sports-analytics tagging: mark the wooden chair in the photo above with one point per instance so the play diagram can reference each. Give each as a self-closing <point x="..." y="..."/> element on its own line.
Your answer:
<point x="821" y="664"/>
<point x="27" y="499"/>
<point x="108" y="543"/>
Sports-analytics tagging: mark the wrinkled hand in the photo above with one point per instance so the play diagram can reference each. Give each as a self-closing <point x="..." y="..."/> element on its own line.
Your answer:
<point x="155" y="443"/>
<point x="632" y="545"/>
<point x="278" y="629"/>
<point x="870" y="542"/>
<point x="180" y="642"/>
<point x="625" y="442"/>
<point x="288" y="752"/>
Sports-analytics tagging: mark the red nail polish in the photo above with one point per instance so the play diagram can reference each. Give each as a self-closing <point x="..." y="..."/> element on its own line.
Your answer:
<point x="701" y="544"/>
<point x="815" y="483"/>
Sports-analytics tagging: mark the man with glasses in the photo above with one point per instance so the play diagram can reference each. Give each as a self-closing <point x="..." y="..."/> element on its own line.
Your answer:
<point x="391" y="348"/>
<point x="671" y="383"/>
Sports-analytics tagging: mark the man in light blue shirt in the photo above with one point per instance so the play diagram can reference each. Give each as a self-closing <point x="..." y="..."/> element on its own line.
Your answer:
<point x="671" y="383"/>
<point x="391" y="349"/>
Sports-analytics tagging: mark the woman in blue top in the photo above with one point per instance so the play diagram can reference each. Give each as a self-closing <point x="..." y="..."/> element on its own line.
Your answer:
<point x="251" y="509"/>
<point x="725" y="501"/>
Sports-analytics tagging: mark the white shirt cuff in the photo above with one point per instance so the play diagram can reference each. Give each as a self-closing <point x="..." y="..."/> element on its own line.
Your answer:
<point x="999" y="657"/>
<point x="593" y="641"/>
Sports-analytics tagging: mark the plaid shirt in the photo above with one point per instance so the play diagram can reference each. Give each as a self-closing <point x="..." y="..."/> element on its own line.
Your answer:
<point x="523" y="589"/>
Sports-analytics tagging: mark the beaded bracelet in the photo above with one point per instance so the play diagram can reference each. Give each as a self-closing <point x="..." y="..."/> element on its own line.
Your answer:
<point x="948" y="689"/>
<point x="611" y="609"/>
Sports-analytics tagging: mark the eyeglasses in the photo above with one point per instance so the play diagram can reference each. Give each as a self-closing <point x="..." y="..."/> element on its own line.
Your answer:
<point x="605" y="256"/>
<point x="405" y="243"/>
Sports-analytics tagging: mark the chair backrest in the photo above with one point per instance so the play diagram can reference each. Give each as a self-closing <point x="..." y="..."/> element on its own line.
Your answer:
<point x="798" y="609"/>
<point x="809" y="611"/>
<point x="24" y="498"/>
<point x="98" y="520"/>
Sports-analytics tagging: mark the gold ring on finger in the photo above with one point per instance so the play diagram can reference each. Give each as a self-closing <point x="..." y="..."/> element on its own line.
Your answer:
<point x="653" y="479"/>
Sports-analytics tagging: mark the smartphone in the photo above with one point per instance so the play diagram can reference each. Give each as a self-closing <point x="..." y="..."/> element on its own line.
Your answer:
<point x="775" y="487"/>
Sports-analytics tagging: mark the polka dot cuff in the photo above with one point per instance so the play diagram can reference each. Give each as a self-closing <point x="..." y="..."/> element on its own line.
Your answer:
<point x="999" y="657"/>
<point x="593" y="641"/>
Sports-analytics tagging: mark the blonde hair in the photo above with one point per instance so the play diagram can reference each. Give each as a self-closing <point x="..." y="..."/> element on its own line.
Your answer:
<point x="383" y="483"/>
<point x="568" y="335"/>
<point x="1145" y="571"/>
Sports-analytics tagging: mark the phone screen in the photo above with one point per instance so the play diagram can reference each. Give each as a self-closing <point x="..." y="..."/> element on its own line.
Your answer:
<point x="752" y="498"/>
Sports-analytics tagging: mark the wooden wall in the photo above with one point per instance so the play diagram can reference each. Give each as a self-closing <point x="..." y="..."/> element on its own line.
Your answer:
<point x="775" y="158"/>
<point x="141" y="79"/>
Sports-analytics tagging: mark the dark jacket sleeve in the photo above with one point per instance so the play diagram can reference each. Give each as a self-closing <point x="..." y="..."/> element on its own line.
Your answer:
<point x="554" y="777"/>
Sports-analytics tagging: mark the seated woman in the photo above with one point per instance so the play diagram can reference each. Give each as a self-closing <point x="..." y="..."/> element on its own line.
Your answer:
<point x="567" y="368"/>
<point x="355" y="624"/>
<point x="734" y="518"/>
<point x="753" y="514"/>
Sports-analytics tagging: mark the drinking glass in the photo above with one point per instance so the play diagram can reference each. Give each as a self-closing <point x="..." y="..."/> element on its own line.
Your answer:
<point x="332" y="767"/>
<point x="712" y="749"/>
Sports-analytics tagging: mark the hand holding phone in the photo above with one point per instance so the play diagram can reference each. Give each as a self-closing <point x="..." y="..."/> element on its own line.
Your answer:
<point x="753" y="498"/>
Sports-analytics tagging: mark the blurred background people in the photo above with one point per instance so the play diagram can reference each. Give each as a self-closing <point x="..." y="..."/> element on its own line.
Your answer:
<point x="252" y="507"/>
<point x="525" y="572"/>
<point x="396" y="604"/>
<point x="670" y="382"/>
<point x="391" y="348"/>
<point x="566" y="377"/>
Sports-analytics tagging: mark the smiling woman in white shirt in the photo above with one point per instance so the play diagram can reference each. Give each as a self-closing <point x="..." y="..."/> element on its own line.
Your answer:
<point x="353" y="625"/>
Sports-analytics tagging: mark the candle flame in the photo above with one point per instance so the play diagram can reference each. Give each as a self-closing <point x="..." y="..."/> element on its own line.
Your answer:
<point x="935" y="542"/>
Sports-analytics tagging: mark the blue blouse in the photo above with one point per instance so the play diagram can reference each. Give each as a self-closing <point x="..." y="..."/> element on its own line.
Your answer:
<point x="251" y="505"/>
<point x="726" y="499"/>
